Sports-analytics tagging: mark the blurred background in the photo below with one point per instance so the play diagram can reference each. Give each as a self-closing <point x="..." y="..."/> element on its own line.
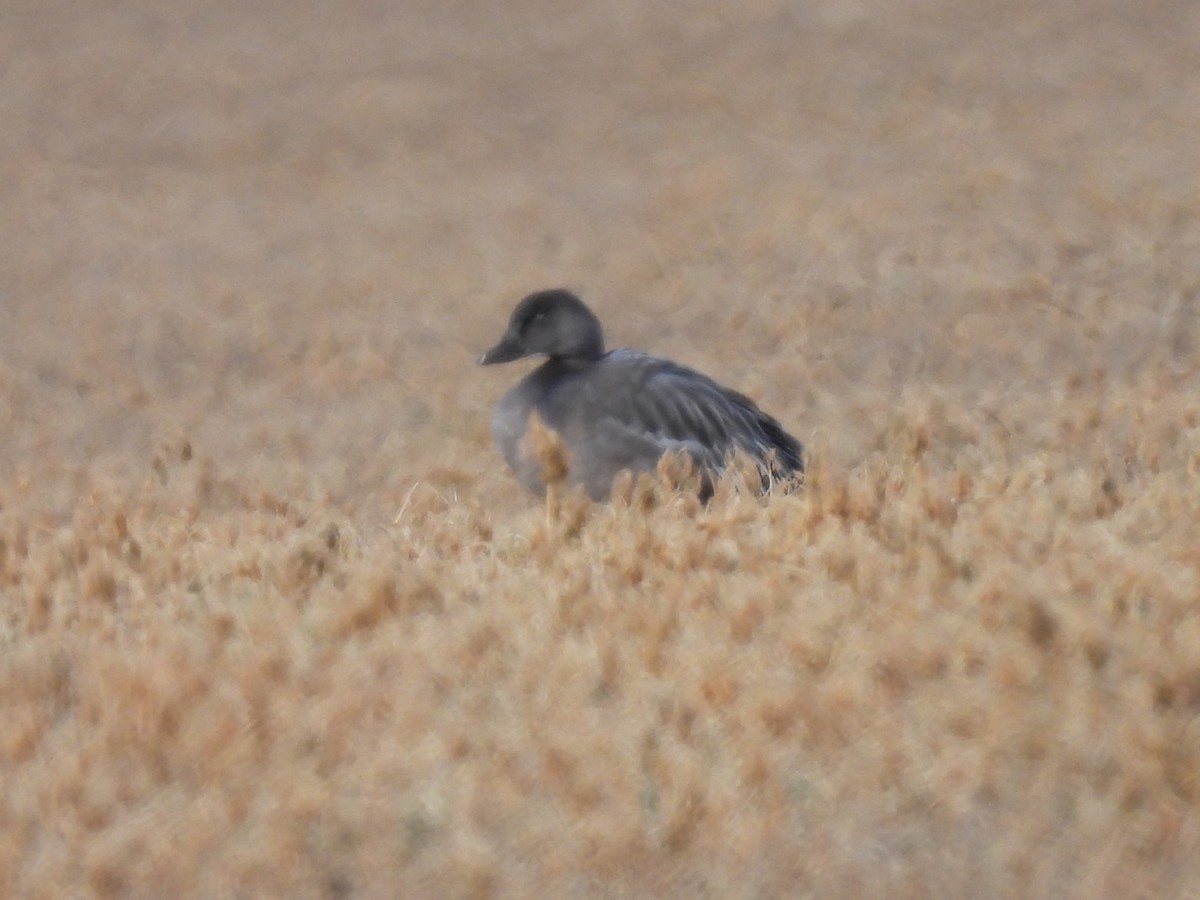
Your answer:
<point x="282" y="232"/>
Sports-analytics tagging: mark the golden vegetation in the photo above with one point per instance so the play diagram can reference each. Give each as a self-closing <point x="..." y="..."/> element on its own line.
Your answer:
<point x="274" y="619"/>
<point x="902" y="678"/>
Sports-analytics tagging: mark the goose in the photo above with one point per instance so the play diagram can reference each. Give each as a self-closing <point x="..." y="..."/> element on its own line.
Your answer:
<point x="620" y="409"/>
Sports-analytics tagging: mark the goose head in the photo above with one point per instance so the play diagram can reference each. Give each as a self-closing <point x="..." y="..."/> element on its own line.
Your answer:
<point x="553" y="323"/>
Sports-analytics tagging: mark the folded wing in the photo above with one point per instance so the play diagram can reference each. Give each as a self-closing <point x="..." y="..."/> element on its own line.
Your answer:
<point x="672" y="407"/>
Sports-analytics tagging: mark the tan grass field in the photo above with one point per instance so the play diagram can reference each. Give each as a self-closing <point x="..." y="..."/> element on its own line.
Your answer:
<point x="274" y="620"/>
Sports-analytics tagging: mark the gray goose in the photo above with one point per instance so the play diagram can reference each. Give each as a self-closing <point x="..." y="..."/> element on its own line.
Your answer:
<point x="621" y="409"/>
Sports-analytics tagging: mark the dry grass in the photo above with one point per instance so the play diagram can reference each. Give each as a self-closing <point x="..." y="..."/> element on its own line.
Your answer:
<point x="275" y="622"/>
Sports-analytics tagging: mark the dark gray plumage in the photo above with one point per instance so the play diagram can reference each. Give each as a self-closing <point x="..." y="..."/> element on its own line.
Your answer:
<point x="621" y="409"/>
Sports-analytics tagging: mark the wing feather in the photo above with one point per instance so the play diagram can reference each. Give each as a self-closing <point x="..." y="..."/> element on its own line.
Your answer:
<point x="678" y="408"/>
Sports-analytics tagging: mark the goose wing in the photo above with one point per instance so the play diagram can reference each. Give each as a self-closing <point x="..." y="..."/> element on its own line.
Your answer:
<point x="678" y="408"/>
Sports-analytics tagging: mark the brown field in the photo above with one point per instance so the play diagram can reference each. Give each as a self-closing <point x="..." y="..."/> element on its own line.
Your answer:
<point x="275" y="622"/>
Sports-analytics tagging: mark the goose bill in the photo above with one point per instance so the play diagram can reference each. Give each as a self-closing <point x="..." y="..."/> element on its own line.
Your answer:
<point x="507" y="350"/>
